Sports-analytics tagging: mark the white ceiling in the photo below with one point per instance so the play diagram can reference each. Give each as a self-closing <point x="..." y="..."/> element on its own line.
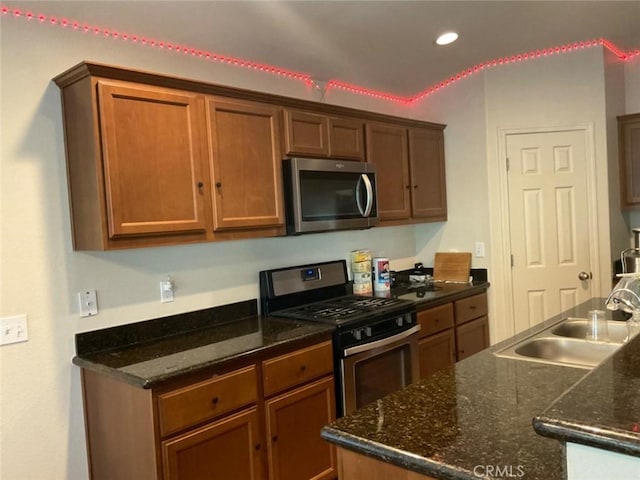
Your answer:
<point x="382" y="45"/>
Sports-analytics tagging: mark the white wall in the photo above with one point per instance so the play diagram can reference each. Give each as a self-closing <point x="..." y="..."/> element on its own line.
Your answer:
<point x="462" y="108"/>
<point x="42" y="432"/>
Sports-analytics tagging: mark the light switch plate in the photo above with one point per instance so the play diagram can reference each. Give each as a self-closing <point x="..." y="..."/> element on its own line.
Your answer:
<point x="13" y="329"/>
<point x="479" y="249"/>
<point x="88" y="303"/>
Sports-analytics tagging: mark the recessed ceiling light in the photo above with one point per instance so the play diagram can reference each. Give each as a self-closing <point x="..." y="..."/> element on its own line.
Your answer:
<point x="447" y="38"/>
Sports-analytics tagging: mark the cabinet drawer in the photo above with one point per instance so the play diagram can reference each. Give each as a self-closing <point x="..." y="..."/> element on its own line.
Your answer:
<point x="435" y="319"/>
<point x="205" y="400"/>
<point x="470" y="308"/>
<point x="297" y="367"/>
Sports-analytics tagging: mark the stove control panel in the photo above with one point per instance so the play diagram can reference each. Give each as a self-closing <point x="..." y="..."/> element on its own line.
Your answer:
<point x="381" y="328"/>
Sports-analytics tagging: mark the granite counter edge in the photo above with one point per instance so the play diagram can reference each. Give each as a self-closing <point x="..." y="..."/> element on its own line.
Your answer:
<point x="399" y="458"/>
<point x="154" y="381"/>
<point x="597" y="436"/>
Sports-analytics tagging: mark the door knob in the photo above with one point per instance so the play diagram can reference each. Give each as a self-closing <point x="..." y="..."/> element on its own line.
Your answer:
<point x="584" y="275"/>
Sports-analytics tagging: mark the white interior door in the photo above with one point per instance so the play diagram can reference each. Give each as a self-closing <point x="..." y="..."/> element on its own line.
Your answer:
<point x="549" y="223"/>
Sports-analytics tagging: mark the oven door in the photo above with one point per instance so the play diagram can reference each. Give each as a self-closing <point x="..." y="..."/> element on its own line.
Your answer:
<point x="376" y="369"/>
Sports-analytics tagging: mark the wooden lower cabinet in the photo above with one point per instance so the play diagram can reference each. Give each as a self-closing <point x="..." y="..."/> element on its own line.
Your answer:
<point x="229" y="448"/>
<point x="437" y="352"/>
<point x="472" y="337"/>
<point x="294" y="421"/>
<point x="355" y="466"/>
<point x="437" y="348"/>
<point x="452" y="332"/>
<point x="216" y="425"/>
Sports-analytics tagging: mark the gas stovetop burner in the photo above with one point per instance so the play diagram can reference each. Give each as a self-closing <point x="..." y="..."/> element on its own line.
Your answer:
<point x="351" y="306"/>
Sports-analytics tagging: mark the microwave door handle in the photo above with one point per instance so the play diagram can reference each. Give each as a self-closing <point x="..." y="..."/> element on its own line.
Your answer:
<point x="358" y="203"/>
<point x="369" y="187"/>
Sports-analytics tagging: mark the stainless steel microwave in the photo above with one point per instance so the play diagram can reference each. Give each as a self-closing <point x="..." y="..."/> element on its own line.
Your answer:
<point x="324" y="195"/>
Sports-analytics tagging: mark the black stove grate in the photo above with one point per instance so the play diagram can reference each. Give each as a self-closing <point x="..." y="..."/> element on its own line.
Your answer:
<point x="345" y="308"/>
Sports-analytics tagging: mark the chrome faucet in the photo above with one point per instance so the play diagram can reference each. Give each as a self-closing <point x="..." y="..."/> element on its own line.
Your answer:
<point x="625" y="295"/>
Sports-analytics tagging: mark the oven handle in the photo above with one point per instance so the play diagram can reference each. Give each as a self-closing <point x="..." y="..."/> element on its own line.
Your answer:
<point x="381" y="343"/>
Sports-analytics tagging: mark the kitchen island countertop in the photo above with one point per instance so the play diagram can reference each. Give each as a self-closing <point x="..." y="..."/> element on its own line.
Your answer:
<point x="478" y="414"/>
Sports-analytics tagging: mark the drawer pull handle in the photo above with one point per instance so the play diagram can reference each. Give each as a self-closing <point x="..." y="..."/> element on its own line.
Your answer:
<point x="472" y="307"/>
<point x="214" y="400"/>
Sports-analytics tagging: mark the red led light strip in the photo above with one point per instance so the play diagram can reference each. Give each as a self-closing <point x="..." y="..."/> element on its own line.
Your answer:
<point x="545" y="52"/>
<point x="332" y="84"/>
<point x="163" y="45"/>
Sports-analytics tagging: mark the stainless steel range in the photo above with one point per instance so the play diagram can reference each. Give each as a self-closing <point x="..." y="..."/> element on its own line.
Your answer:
<point x="375" y="343"/>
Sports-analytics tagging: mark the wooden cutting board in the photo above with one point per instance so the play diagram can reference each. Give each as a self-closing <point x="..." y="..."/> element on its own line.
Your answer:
<point x="452" y="266"/>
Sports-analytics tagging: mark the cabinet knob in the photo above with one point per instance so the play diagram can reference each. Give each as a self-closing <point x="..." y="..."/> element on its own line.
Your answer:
<point x="218" y="184"/>
<point x="408" y="186"/>
<point x="258" y="446"/>
<point x="415" y="186"/>
<point x="303" y="368"/>
<point x="200" y="186"/>
<point x="274" y="438"/>
<point x="214" y="400"/>
<point x="472" y="307"/>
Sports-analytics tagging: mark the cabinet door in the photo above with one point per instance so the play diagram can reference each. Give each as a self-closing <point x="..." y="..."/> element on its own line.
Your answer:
<point x="246" y="164"/>
<point x="154" y="169"/>
<point x="306" y="133"/>
<point x="346" y="138"/>
<point x="428" y="182"/>
<point x="437" y="352"/>
<point x="387" y="149"/>
<point x="435" y="319"/>
<point x="629" y="134"/>
<point x="294" y="421"/>
<point x="229" y="448"/>
<point x="472" y="337"/>
<point x="471" y="307"/>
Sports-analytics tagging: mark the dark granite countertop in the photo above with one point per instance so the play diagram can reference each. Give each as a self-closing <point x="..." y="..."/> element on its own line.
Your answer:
<point x="478" y="413"/>
<point x="151" y="352"/>
<point x="446" y="292"/>
<point x="154" y="351"/>
<point x="602" y="410"/>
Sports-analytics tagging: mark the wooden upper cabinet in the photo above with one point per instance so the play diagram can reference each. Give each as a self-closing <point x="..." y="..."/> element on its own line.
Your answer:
<point x="629" y="152"/>
<point x="428" y="181"/>
<point x="246" y="157"/>
<point x="306" y="133"/>
<point x="387" y="149"/>
<point x="153" y="159"/>
<point x="317" y="135"/>
<point x="346" y="138"/>
<point x="156" y="160"/>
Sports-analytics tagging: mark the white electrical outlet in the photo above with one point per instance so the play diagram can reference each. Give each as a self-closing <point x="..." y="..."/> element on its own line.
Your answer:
<point x="13" y="329"/>
<point x="88" y="303"/>
<point x="479" y="249"/>
<point x="166" y="291"/>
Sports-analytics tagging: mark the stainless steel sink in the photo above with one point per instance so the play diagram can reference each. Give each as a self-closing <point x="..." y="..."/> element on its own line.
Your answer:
<point x="567" y="351"/>
<point x="564" y="343"/>
<point x="577" y="328"/>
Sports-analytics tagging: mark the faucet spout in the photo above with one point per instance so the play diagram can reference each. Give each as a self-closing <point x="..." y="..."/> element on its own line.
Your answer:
<point x="624" y="295"/>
